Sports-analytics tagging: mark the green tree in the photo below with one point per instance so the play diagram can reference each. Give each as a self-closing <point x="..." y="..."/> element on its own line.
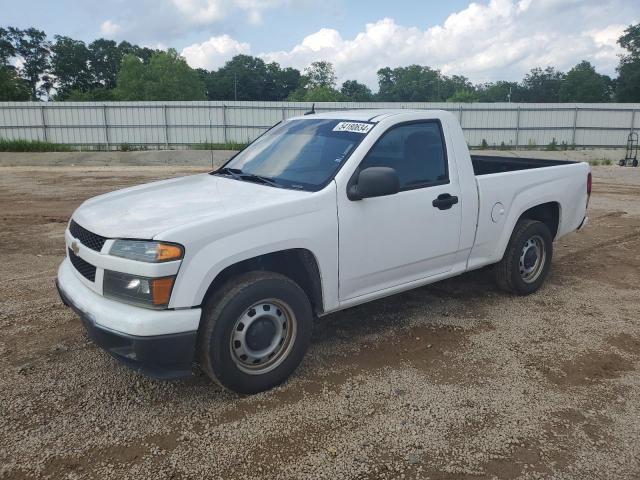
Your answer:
<point x="500" y="91"/>
<point x="414" y="83"/>
<point x="320" y="74"/>
<point x="12" y="87"/>
<point x="628" y="82"/>
<point x="316" y="94"/>
<point x="143" y="53"/>
<point x="7" y="50"/>
<point x="355" y="91"/>
<point x="543" y="85"/>
<point x="243" y="78"/>
<point x="166" y="77"/>
<point x="93" y="95"/>
<point x="70" y="66"/>
<point x="33" y="48"/>
<point x="104" y="59"/>
<point x="280" y="82"/>
<point x="447" y="87"/>
<point x="630" y="40"/>
<point x="463" y="96"/>
<point x="583" y="84"/>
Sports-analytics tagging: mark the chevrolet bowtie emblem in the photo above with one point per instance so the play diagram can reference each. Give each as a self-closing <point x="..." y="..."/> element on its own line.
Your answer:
<point x="75" y="247"/>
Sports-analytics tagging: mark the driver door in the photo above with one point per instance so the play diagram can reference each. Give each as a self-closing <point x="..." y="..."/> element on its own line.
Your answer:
<point x="397" y="239"/>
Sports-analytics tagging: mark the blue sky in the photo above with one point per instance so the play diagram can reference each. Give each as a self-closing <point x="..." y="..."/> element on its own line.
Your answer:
<point x="82" y="19"/>
<point x="486" y="40"/>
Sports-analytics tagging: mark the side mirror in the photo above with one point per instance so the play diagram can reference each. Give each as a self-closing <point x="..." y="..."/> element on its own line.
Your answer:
<point x="374" y="182"/>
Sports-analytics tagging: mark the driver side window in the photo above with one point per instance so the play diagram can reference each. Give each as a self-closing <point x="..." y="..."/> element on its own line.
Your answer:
<point x="415" y="151"/>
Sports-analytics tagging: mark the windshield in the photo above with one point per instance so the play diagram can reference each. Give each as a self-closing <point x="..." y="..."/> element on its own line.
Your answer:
<point x="303" y="153"/>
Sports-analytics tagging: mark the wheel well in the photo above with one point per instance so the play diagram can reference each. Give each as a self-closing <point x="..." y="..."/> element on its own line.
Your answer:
<point x="298" y="264"/>
<point x="547" y="213"/>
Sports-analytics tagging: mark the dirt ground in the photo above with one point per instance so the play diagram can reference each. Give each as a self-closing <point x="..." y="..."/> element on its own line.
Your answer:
<point x="452" y="381"/>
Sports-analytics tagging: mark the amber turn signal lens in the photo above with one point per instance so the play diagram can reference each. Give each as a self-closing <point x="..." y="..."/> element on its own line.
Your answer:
<point x="166" y="252"/>
<point x="161" y="290"/>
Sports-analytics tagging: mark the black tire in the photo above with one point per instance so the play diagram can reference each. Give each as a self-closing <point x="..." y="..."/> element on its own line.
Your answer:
<point x="634" y="163"/>
<point x="223" y="315"/>
<point x="511" y="274"/>
<point x="622" y="163"/>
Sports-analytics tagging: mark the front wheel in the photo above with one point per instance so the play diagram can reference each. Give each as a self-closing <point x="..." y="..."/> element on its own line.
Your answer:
<point x="527" y="259"/>
<point x="255" y="331"/>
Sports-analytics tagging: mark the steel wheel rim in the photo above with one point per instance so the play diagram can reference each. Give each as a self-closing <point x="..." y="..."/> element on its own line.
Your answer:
<point x="263" y="336"/>
<point x="532" y="259"/>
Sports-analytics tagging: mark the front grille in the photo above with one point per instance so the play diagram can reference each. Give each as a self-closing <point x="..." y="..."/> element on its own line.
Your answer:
<point x="88" y="239"/>
<point x="87" y="270"/>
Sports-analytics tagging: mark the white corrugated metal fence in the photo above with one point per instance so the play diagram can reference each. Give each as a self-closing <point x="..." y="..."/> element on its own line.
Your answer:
<point x="182" y="124"/>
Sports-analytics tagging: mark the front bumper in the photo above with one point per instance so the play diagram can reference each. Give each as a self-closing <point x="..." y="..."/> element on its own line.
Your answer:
<point x="168" y="355"/>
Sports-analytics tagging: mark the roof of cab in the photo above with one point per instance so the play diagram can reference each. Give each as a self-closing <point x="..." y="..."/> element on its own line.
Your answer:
<point x="370" y="115"/>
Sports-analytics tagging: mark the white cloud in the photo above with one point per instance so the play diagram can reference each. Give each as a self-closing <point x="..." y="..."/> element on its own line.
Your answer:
<point x="255" y="8"/>
<point x="110" y="29"/>
<point x="498" y="39"/>
<point x="608" y="36"/>
<point x="205" y="12"/>
<point x="214" y="52"/>
<point x="201" y="11"/>
<point x="501" y="39"/>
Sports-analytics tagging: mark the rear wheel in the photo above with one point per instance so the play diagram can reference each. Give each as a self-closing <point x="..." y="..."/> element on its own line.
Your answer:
<point x="255" y="331"/>
<point x="527" y="259"/>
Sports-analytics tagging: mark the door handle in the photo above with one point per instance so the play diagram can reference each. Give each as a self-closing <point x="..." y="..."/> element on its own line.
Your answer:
<point x="445" y="201"/>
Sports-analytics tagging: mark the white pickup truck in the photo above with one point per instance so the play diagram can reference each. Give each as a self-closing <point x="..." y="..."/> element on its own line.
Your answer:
<point x="321" y="213"/>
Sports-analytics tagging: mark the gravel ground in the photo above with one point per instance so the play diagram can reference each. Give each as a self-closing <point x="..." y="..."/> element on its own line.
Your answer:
<point x="452" y="381"/>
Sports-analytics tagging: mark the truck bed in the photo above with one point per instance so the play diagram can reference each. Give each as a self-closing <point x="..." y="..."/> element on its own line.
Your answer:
<point x="487" y="164"/>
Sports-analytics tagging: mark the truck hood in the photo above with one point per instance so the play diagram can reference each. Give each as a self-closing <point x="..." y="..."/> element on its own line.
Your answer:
<point x="147" y="210"/>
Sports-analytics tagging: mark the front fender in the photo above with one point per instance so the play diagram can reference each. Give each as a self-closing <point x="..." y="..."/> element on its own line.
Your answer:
<point x="315" y="231"/>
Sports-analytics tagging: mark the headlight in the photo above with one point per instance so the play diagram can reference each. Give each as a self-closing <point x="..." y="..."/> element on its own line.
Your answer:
<point x="146" y="251"/>
<point x="141" y="291"/>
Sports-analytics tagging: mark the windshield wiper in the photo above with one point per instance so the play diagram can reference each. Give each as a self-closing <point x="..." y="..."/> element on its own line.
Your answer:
<point x="234" y="172"/>
<point x="250" y="177"/>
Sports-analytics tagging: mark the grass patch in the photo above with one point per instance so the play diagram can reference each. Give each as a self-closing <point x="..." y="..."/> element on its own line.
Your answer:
<point x="32" y="146"/>
<point x="218" y="146"/>
<point x="604" y="161"/>
<point x="127" y="147"/>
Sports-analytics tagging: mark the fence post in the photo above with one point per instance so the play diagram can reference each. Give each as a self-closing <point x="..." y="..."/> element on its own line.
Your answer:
<point x="283" y="114"/>
<point x="224" y="123"/>
<point x="460" y="115"/>
<point x="44" y="124"/>
<point x="518" y="127"/>
<point x="210" y="135"/>
<point x="106" y="126"/>
<point x="166" y="126"/>
<point x="575" y="124"/>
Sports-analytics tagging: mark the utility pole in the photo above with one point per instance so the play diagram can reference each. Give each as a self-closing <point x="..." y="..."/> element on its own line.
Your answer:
<point x="509" y="95"/>
<point x="235" y="86"/>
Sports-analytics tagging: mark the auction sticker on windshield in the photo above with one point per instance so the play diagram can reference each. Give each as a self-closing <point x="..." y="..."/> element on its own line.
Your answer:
<point x="355" y="127"/>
